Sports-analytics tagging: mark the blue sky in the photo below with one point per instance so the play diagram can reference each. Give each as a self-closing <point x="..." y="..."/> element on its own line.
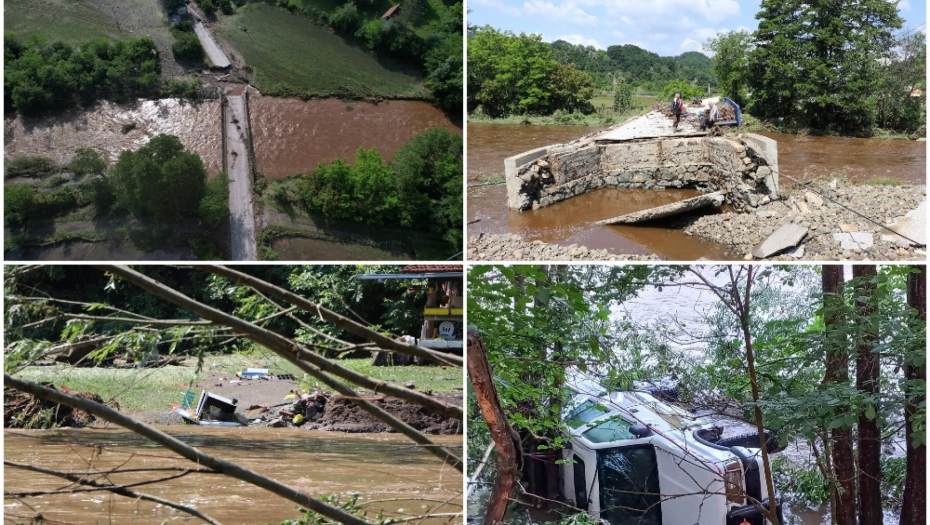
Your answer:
<point x="666" y="27"/>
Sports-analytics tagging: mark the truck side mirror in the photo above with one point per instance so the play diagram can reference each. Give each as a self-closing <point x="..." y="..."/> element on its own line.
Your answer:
<point x="640" y="431"/>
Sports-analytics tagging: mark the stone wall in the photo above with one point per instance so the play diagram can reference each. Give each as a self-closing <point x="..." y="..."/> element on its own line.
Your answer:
<point x="548" y="175"/>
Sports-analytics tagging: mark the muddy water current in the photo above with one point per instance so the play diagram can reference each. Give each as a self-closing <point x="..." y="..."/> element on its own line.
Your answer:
<point x="806" y="158"/>
<point x="111" y="128"/>
<point x="376" y="466"/>
<point x="293" y="136"/>
<point x="573" y="221"/>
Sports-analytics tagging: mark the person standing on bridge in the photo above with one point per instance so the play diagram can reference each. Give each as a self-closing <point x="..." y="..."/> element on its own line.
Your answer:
<point x="677" y="109"/>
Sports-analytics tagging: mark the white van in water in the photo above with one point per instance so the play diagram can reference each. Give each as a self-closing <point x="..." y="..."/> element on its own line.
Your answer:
<point x="634" y="460"/>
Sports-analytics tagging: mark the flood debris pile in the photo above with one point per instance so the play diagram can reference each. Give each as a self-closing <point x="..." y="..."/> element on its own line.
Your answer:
<point x="21" y="410"/>
<point x="512" y="247"/>
<point x="342" y="415"/>
<point x="743" y="169"/>
<point x="817" y="223"/>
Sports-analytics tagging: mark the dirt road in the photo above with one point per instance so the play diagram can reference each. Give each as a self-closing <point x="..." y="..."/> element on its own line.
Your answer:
<point x="241" y="205"/>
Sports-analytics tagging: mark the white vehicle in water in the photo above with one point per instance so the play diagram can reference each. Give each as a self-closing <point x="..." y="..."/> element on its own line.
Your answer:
<point x="634" y="460"/>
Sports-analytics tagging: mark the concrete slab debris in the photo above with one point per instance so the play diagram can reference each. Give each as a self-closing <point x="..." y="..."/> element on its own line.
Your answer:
<point x="913" y="225"/>
<point x="813" y="199"/>
<point x="855" y="240"/>
<point x="711" y="199"/>
<point x="786" y="236"/>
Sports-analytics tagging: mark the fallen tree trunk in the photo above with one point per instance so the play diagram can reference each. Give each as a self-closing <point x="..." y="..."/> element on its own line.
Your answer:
<point x="509" y="450"/>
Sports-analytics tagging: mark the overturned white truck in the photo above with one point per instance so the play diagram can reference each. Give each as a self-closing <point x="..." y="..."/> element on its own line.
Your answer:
<point x="634" y="460"/>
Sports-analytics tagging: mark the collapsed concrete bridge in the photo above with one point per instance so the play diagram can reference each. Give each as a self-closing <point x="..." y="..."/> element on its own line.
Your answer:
<point x="743" y="168"/>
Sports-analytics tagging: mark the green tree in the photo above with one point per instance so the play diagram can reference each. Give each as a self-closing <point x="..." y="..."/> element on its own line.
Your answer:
<point x="345" y="18"/>
<point x="160" y="181"/>
<point x="571" y="89"/>
<point x="903" y="69"/>
<point x="817" y="63"/>
<point x="429" y="173"/>
<point x="623" y="97"/>
<point x="444" y="72"/>
<point x="374" y="188"/>
<point x="87" y="161"/>
<point x="686" y="89"/>
<point x="511" y="74"/>
<point x="19" y="202"/>
<point x="731" y="62"/>
<point x="187" y="46"/>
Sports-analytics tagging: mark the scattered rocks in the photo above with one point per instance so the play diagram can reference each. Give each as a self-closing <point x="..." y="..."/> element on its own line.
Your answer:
<point x="786" y="236"/>
<point x="512" y="247"/>
<point x="743" y="231"/>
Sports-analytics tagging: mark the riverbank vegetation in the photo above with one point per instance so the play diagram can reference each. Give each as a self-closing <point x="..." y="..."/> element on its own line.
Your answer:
<point x="158" y="185"/>
<point x="834" y="362"/>
<point x="421" y="187"/>
<point x="41" y="77"/>
<point x="869" y="72"/>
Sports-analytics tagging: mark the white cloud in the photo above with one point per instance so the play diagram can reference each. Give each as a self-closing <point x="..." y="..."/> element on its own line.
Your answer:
<point x="498" y="5"/>
<point x="578" y="39"/>
<point x="566" y="12"/>
<point x="904" y="5"/>
<point x="691" y="45"/>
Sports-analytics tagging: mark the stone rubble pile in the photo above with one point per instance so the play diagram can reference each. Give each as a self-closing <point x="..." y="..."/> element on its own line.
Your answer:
<point x="820" y="229"/>
<point x="512" y="247"/>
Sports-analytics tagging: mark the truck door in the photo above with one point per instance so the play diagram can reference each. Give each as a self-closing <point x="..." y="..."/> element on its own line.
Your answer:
<point x="629" y="485"/>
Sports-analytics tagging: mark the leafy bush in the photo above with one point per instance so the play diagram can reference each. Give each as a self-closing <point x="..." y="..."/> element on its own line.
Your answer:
<point x="345" y="18"/>
<point x="30" y="166"/>
<point x="187" y="46"/>
<point x="214" y="208"/>
<point x="41" y="77"/>
<point x="160" y="181"/>
<point x="98" y="192"/>
<point x="623" y="97"/>
<point x="19" y="202"/>
<point x="688" y="91"/>
<point x="87" y="161"/>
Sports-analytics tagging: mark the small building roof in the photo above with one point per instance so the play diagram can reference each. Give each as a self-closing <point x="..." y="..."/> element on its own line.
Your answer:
<point x="390" y="12"/>
<point x="431" y="268"/>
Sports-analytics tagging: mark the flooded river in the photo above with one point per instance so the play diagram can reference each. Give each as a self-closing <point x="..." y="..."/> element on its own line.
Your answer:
<point x="111" y="128"/>
<point x="573" y="221"/>
<point x="293" y="136"/>
<point x="377" y="466"/>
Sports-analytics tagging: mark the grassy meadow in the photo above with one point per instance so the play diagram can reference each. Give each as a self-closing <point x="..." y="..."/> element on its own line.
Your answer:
<point x="292" y="56"/>
<point x="70" y="21"/>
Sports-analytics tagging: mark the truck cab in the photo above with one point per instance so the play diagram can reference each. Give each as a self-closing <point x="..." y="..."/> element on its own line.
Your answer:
<point x="635" y="460"/>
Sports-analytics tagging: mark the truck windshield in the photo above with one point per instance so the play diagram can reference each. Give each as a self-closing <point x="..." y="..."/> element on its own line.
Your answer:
<point x="585" y="413"/>
<point x="613" y="429"/>
<point x="629" y="485"/>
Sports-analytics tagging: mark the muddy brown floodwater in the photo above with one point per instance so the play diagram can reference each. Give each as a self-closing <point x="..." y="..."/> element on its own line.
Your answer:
<point x="377" y="466"/>
<point x="102" y="128"/>
<point x="573" y="221"/>
<point x="858" y="160"/>
<point x="294" y="136"/>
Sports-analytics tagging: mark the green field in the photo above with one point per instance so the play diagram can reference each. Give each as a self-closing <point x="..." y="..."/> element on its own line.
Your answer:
<point x="70" y="21"/>
<point x="293" y="56"/>
<point x="369" y="10"/>
<point x="151" y="390"/>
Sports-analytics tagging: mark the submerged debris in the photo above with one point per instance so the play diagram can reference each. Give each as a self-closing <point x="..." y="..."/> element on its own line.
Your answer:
<point x="22" y="410"/>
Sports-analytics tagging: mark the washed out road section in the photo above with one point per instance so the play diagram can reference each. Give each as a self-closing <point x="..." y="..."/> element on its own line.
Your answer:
<point x="214" y="53"/>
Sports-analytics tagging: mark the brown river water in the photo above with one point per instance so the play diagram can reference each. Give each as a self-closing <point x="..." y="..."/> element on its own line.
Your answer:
<point x="573" y="221"/>
<point x="376" y="466"/>
<point x="291" y="135"/>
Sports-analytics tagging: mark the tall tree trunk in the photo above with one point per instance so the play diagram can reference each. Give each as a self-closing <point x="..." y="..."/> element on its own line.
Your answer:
<point x="914" y="504"/>
<point x="867" y="368"/>
<point x="837" y="372"/>
<point x="509" y="451"/>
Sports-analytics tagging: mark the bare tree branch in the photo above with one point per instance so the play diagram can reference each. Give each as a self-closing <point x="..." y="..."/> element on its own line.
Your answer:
<point x="193" y="454"/>
<point x="121" y="490"/>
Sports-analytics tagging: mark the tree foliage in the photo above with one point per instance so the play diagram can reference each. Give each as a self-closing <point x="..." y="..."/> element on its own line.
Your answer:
<point x="687" y="90"/>
<point x="422" y="187"/>
<point x="818" y="63"/>
<point x="731" y="62"/>
<point x="516" y="74"/>
<point x="40" y="77"/>
<point x="159" y="181"/>
<point x="904" y="68"/>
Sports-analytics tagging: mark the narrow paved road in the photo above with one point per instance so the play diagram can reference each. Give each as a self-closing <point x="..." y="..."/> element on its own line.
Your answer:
<point x="241" y="205"/>
<point x="214" y="53"/>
